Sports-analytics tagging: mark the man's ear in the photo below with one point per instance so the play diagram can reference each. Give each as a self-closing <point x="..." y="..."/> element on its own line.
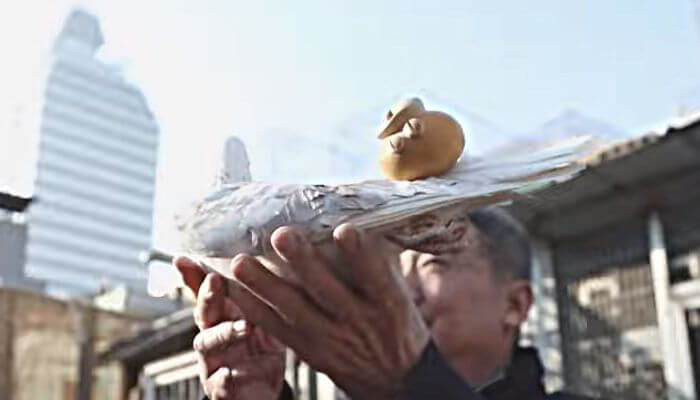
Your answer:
<point x="519" y="298"/>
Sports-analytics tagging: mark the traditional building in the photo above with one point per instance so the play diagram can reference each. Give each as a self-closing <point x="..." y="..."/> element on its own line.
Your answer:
<point x="617" y="273"/>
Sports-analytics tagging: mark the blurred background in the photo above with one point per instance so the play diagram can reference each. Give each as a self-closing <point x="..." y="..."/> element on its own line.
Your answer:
<point x="115" y="115"/>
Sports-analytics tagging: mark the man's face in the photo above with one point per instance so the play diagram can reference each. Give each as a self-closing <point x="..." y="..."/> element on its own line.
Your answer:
<point x="470" y="313"/>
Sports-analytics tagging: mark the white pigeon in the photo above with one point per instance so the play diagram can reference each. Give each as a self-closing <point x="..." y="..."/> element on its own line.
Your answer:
<point x="240" y="216"/>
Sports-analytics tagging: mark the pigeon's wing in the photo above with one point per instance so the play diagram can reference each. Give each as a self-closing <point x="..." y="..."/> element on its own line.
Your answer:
<point x="475" y="182"/>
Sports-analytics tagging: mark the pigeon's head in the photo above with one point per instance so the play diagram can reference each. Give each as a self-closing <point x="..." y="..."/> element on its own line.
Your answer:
<point x="399" y="114"/>
<point x="417" y="143"/>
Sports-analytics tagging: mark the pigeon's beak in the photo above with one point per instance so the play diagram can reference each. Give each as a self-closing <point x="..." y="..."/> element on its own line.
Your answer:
<point x="389" y="128"/>
<point x="399" y="114"/>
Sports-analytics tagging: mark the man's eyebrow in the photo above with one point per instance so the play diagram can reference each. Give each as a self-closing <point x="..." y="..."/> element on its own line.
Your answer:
<point x="437" y="243"/>
<point x="435" y="234"/>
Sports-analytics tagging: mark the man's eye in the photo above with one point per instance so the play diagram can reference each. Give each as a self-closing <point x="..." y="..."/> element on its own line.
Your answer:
<point x="434" y="264"/>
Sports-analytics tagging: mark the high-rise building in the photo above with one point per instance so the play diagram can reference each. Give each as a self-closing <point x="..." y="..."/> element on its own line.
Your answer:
<point x="93" y="207"/>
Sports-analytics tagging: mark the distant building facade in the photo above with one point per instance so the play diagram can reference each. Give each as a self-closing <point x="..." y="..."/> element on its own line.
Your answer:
<point x="48" y="347"/>
<point x="94" y="188"/>
<point x="13" y="242"/>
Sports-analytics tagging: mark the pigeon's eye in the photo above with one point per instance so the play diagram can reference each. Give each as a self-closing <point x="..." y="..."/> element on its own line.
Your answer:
<point x="389" y="114"/>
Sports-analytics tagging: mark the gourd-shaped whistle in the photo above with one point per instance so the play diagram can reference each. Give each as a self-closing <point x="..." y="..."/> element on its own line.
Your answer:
<point x="417" y="143"/>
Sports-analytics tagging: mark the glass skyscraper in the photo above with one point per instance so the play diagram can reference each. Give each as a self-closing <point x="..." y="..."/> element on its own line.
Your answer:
<point x="94" y="188"/>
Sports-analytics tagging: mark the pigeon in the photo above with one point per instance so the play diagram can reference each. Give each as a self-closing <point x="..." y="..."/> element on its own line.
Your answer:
<point x="240" y="216"/>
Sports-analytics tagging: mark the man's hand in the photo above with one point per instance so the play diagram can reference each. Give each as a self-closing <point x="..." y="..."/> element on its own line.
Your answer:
<point x="366" y="335"/>
<point x="237" y="361"/>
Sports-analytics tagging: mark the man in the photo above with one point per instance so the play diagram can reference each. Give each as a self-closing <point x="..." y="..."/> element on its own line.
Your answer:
<point x="437" y="320"/>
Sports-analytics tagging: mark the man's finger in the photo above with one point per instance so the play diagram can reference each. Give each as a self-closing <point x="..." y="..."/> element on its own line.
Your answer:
<point x="270" y="344"/>
<point x="210" y="308"/>
<point x="192" y="273"/>
<point x="313" y="270"/>
<point x="219" y="386"/>
<point x="370" y="264"/>
<point x="285" y="299"/>
<point x="252" y="376"/>
<point x="221" y="336"/>
<point x="287" y="316"/>
<point x="227" y="357"/>
<point x="258" y="369"/>
<point x="260" y="313"/>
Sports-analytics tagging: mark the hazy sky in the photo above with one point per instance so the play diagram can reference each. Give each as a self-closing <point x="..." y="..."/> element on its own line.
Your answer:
<point x="214" y="68"/>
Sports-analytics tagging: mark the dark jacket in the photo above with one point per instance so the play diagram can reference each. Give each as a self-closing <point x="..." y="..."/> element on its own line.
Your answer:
<point x="433" y="378"/>
<point x="524" y="380"/>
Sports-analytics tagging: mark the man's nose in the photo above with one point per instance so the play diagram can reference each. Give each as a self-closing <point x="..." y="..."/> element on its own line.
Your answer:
<point x="410" y="274"/>
<point x="417" y="294"/>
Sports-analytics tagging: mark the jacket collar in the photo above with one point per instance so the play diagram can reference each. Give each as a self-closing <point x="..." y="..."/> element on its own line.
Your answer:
<point x="521" y="379"/>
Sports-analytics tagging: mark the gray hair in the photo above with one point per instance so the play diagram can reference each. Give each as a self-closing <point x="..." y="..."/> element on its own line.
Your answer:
<point x="506" y="242"/>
